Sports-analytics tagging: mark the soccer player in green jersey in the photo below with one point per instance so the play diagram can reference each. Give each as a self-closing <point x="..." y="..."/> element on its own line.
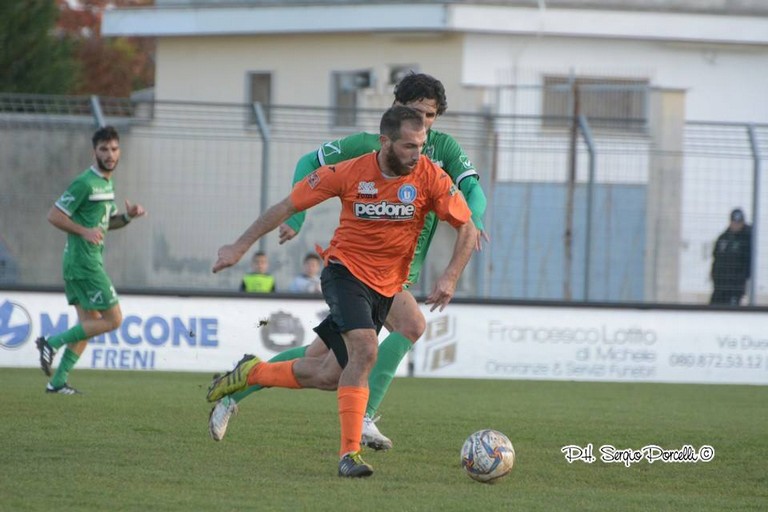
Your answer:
<point x="85" y="212"/>
<point x="405" y="321"/>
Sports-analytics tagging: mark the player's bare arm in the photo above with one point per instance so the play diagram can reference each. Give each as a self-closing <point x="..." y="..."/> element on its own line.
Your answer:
<point x="268" y="221"/>
<point x="445" y="287"/>
<point x="62" y="221"/>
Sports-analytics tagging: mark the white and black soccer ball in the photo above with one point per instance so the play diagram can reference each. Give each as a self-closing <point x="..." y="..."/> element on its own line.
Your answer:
<point x="487" y="456"/>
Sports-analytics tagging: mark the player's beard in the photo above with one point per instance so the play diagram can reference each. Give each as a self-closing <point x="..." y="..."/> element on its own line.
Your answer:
<point x="103" y="166"/>
<point x="395" y="166"/>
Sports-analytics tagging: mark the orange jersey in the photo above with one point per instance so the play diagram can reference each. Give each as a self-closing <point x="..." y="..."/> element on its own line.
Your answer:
<point x="381" y="217"/>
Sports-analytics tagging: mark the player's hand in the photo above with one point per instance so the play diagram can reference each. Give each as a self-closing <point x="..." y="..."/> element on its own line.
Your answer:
<point x="286" y="233"/>
<point x="93" y="235"/>
<point x="442" y="293"/>
<point x="134" y="210"/>
<point x="228" y="256"/>
<point x="481" y="235"/>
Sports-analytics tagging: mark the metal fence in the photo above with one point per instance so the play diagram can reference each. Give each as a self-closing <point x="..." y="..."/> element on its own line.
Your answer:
<point x="580" y="208"/>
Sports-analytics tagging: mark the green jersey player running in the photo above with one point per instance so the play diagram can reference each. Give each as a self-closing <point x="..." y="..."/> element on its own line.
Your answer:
<point x="405" y="321"/>
<point x="86" y="211"/>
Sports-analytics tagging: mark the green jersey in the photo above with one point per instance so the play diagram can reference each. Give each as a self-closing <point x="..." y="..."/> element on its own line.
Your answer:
<point x="440" y="147"/>
<point x="90" y="202"/>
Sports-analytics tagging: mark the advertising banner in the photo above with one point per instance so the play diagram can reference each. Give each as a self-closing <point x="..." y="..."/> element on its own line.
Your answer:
<point x="595" y="344"/>
<point x="464" y="341"/>
<point x="163" y="333"/>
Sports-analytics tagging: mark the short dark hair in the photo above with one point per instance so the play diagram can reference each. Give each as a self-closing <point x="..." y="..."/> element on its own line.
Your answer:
<point x="258" y="253"/>
<point x="312" y="256"/>
<point x="104" y="134"/>
<point x="393" y="119"/>
<point x="419" y="86"/>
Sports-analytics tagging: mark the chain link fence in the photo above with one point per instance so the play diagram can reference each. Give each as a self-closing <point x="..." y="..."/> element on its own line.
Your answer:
<point x="580" y="208"/>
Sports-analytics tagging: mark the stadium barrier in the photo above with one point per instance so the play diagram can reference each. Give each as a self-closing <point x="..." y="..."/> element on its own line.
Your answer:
<point x="491" y="340"/>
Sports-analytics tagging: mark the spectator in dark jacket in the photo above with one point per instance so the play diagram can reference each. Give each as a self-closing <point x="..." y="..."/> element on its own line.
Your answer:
<point x="732" y="261"/>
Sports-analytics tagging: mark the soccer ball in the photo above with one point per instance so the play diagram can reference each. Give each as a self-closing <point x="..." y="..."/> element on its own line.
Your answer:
<point x="487" y="455"/>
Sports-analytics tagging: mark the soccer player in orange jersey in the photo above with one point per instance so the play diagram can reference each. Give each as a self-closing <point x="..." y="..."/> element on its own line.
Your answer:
<point x="385" y="198"/>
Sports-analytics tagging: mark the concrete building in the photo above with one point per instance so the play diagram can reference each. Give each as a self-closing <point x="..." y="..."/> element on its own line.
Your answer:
<point x="344" y="52"/>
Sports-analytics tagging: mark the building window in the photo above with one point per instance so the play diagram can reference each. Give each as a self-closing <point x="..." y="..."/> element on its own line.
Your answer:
<point x="260" y="90"/>
<point x="346" y="84"/>
<point x="608" y="103"/>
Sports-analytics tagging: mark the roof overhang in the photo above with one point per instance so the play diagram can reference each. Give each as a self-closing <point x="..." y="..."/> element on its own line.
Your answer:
<point x="458" y="18"/>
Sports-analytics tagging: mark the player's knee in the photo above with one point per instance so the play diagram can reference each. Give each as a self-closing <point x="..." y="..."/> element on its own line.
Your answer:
<point x="316" y="348"/>
<point x="367" y="354"/>
<point x="413" y="327"/>
<point x="406" y="320"/>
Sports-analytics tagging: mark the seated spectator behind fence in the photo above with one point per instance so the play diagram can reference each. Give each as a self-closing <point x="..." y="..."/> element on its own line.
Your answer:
<point x="309" y="280"/>
<point x="258" y="280"/>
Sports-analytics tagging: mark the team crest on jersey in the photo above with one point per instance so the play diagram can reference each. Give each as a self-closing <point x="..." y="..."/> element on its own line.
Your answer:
<point x="464" y="159"/>
<point x="66" y="199"/>
<point x="367" y="190"/>
<point x="331" y="148"/>
<point x="313" y="179"/>
<point x="429" y="151"/>
<point x="407" y="193"/>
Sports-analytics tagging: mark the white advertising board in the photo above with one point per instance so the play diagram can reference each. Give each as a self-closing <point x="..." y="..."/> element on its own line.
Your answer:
<point x="161" y="332"/>
<point x="595" y="344"/>
<point x="464" y="341"/>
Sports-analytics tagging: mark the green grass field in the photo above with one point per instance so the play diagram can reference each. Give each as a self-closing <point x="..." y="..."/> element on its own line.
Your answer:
<point x="139" y="441"/>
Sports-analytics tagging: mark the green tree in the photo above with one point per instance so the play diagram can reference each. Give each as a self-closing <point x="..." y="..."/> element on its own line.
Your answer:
<point x="34" y="56"/>
<point x="109" y="66"/>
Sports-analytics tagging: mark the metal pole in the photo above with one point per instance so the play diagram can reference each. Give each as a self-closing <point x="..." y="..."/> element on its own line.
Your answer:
<point x="756" y="168"/>
<point x="98" y="114"/>
<point x="261" y="121"/>
<point x="589" y="141"/>
<point x="570" y="187"/>
<point x="487" y="180"/>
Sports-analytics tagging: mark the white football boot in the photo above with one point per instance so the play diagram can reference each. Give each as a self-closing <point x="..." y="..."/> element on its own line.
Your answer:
<point x="372" y="438"/>
<point x="219" y="417"/>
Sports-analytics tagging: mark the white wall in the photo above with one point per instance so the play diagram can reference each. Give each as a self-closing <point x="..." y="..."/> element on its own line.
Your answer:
<point x="722" y="83"/>
<point x="215" y="68"/>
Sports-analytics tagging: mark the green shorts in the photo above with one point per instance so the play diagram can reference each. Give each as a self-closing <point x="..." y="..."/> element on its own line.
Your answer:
<point x="93" y="293"/>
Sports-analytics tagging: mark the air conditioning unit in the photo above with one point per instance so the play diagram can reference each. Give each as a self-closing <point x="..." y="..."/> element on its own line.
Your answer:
<point x="365" y="79"/>
<point x="396" y="73"/>
<point x="356" y="80"/>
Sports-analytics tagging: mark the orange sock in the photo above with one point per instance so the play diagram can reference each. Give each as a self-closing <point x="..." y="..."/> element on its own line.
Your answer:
<point x="274" y="375"/>
<point x="352" y="403"/>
